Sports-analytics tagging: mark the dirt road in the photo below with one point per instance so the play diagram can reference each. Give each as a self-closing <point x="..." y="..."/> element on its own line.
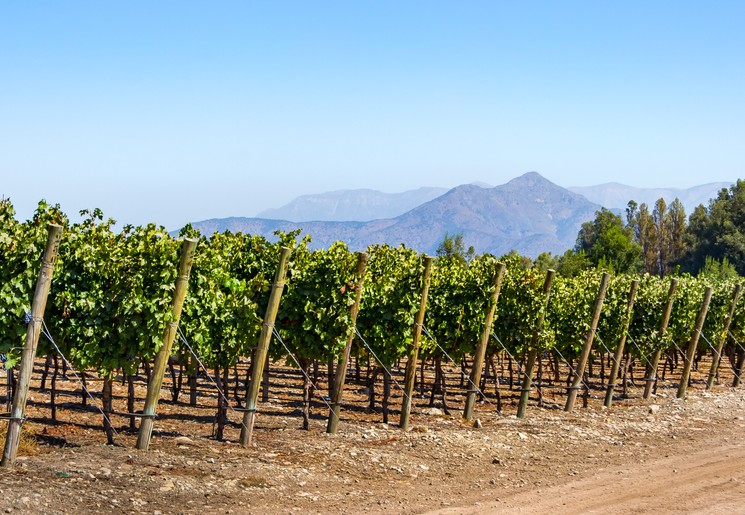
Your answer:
<point x="694" y="481"/>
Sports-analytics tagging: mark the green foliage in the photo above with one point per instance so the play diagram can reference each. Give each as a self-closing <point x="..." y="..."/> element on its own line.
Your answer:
<point x="608" y="244"/>
<point x="718" y="231"/>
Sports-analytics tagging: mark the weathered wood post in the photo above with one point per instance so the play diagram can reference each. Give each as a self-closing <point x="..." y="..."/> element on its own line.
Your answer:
<point x="651" y="368"/>
<point x="693" y="343"/>
<point x="715" y="360"/>
<point x="587" y="347"/>
<point x="262" y="350"/>
<point x="533" y="349"/>
<point x="341" y="368"/>
<point x="414" y="351"/>
<point x="38" y="305"/>
<point x="621" y="344"/>
<point x="161" y="358"/>
<point x="478" y="357"/>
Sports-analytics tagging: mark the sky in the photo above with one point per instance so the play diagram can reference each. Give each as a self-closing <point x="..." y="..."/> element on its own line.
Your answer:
<point x="177" y="111"/>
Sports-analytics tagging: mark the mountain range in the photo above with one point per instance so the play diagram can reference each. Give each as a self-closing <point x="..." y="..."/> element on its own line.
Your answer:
<point x="529" y="214"/>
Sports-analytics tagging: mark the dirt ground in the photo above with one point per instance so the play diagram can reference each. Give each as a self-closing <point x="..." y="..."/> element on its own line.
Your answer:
<point x="664" y="456"/>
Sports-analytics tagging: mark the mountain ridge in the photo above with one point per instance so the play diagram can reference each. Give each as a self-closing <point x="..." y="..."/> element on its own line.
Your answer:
<point x="529" y="214"/>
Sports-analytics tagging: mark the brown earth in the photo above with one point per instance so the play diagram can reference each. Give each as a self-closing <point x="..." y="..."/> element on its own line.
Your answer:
<point x="664" y="455"/>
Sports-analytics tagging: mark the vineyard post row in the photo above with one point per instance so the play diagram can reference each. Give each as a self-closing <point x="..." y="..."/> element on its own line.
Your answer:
<point x="587" y="347"/>
<point x="341" y="370"/>
<point x="478" y="358"/>
<point x="161" y="358"/>
<point x="716" y="359"/>
<point x="533" y="348"/>
<point x="267" y="329"/>
<point x="410" y="374"/>
<point x="35" y="322"/>
<point x="615" y="367"/>
<point x="693" y="343"/>
<point x="651" y="369"/>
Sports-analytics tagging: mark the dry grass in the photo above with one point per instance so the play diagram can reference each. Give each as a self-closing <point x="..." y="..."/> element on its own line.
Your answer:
<point x="28" y="445"/>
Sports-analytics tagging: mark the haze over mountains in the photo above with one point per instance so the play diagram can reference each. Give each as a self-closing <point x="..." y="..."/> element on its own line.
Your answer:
<point x="529" y="214"/>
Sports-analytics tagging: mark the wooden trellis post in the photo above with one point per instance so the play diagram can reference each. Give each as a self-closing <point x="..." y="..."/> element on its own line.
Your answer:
<point x="587" y="347"/>
<point x="716" y="359"/>
<point x="414" y="351"/>
<point x="341" y="369"/>
<point x="161" y="359"/>
<point x="693" y="343"/>
<point x="478" y="358"/>
<point x="262" y="350"/>
<point x="618" y="355"/>
<point x="527" y="384"/>
<point x="38" y="305"/>
<point x="651" y="367"/>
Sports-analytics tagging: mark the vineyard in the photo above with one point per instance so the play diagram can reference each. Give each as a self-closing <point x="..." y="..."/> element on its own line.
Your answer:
<point x="333" y="335"/>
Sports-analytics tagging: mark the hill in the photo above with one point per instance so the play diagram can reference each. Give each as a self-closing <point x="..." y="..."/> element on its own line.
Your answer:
<point x="529" y="214"/>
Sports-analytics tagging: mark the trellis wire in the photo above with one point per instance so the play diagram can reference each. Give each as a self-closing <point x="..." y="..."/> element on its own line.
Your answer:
<point x="429" y="335"/>
<point x="307" y="377"/>
<point x="219" y="390"/>
<point x="48" y="336"/>
<point x="357" y="332"/>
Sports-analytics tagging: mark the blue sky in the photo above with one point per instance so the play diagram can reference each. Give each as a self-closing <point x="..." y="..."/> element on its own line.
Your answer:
<point x="173" y="111"/>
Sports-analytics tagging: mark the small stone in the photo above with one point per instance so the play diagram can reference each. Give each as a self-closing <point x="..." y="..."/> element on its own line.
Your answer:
<point x="522" y="436"/>
<point x="496" y="461"/>
<point x="183" y="440"/>
<point x="654" y="408"/>
<point x="477" y="424"/>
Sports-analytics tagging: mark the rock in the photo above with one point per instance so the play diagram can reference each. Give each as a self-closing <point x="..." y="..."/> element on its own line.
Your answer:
<point x="477" y="424"/>
<point x="654" y="408"/>
<point x="183" y="440"/>
<point x="432" y="411"/>
<point x="522" y="436"/>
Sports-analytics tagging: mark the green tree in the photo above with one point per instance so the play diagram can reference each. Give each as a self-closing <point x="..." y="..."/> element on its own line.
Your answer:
<point x="606" y="240"/>
<point x="452" y="247"/>
<point x="718" y="231"/>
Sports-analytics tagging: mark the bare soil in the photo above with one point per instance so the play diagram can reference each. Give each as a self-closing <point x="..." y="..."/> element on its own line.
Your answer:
<point x="664" y="456"/>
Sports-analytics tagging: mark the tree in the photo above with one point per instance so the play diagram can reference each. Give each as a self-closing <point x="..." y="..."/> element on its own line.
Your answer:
<point x="452" y="247"/>
<point x="607" y="241"/>
<point x="718" y="231"/>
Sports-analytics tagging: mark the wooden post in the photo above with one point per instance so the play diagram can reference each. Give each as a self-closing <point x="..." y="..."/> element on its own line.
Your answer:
<point x="618" y="355"/>
<point x="341" y="370"/>
<point x="693" y="343"/>
<point x="414" y="351"/>
<point x="651" y="367"/>
<point x="478" y="358"/>
<point x="587" y="347"/>
<point x="43" y="284"/>
<point x="262" y="350"/>
<point x="723" y="338"/>
<point x="533" y="349"/>
<point x="161" y="359"/>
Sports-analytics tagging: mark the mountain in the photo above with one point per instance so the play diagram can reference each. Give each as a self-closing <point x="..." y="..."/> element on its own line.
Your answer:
<point x="613" y="195"/>
<point x="529" y="214"/>
<point x="352" y="205"/>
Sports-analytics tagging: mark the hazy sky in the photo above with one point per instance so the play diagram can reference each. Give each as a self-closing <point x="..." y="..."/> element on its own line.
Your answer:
<point x="171" y="111"/>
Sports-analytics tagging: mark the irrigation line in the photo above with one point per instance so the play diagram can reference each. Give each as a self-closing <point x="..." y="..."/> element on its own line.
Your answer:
<point x="357" y="331"/>
<point x="219" y="390"/>
<point x="48" y="335"/>
<point x="520" y="369"/>
<point x="307" y="377"/>
<point x="429" y="335"/>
